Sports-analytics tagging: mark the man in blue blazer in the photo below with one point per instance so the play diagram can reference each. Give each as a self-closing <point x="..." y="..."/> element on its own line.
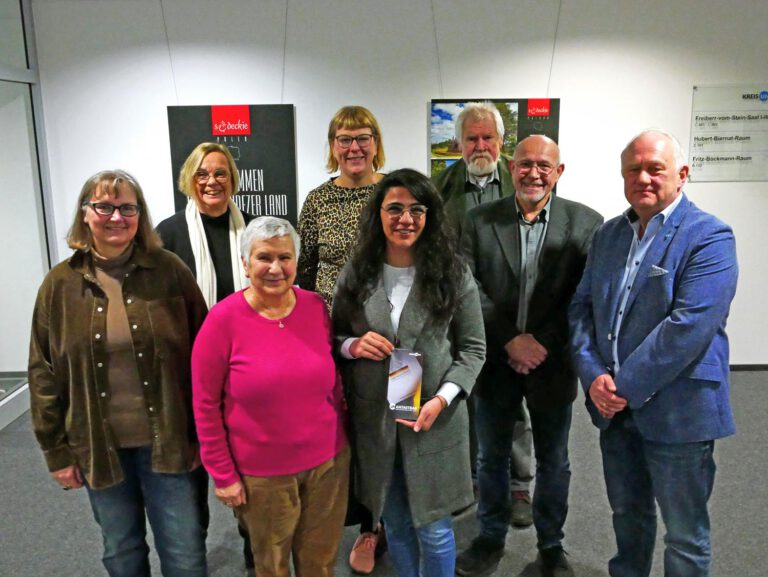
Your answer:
<point x="649" y="344"/>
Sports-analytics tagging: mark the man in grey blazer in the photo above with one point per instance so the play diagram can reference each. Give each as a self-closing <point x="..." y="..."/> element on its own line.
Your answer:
<point x="649" y="343"/>
<point x="482" y="175"/>
<point x="527" y="253"/>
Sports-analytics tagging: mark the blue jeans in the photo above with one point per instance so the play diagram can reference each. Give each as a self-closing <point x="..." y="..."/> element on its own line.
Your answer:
<point x="171" y="504"/>
<point x="495" y="424"/>
<point x="679" y="477"/>
<point x="426" y="551"/>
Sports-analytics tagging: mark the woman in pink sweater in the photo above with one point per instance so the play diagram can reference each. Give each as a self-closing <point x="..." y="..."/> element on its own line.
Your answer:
<point x="268" y="409"/>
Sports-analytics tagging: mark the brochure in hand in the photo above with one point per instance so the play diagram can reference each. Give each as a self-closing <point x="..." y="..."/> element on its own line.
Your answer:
<point x="404" y="390"/>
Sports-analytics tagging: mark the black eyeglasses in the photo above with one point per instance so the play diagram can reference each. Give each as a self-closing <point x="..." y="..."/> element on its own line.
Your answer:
<point x="363" y="140"/>
<point x="396" y="210"/>
<point x="106" y="209"/>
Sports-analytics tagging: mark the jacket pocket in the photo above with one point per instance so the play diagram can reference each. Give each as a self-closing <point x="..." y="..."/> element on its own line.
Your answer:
<point x="706" y="372"/>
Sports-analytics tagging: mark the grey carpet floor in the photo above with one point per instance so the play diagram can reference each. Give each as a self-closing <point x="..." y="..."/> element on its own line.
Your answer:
<point x="45" y="531"/>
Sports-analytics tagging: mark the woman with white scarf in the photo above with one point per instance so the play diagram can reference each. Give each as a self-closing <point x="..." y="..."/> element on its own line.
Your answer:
<point x="206" y="235"/>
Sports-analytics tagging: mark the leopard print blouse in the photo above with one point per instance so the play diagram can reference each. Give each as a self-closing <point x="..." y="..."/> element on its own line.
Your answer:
<point x="328" y="230"/>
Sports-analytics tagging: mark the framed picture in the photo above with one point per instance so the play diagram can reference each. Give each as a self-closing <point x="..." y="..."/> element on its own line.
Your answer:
<point x="521" y="116"/>
<point x="262" y="141"/>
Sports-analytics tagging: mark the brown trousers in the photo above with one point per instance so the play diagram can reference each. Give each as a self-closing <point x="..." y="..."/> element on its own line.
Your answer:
<point x="301" y="514"/>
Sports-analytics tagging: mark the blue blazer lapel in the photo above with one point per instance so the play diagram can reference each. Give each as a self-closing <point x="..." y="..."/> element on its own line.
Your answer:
<point x="615" y="264"/>
<point x="658" y="249"/>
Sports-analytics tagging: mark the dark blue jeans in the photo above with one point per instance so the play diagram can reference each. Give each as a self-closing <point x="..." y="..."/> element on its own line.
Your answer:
<point x="172" y="506"/>
<point x="495" y="424"/>
<point x="639" y="474"/>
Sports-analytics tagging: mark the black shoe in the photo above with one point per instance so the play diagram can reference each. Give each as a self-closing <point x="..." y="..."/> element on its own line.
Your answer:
<point x="381" y="545"/>
<point x="481" y="558"/>
<point x="552" y="563"/>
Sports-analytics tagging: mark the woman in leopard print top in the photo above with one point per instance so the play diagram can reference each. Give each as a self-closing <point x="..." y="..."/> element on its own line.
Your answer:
<point x="328" y="229"/>
<point x="329" y="217"/>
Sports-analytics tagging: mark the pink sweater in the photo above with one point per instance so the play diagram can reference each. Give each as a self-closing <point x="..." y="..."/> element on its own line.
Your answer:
<point x="267" y="400"/>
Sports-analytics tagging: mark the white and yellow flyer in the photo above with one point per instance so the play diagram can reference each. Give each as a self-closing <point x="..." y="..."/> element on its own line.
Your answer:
<point x="404" y="390"/>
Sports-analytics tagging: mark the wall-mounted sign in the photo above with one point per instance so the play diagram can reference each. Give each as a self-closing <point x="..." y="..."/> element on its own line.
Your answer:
<point x="522" y="117"/>
<point x="729" y="133"/>
<point x="262" y="140"/>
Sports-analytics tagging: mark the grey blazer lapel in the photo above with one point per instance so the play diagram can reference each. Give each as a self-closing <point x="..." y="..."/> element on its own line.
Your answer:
<point x="377" y="313"/>
<point x="412" y="320"/>
<point x="507" y="232"/>
<point x="558" y="232"/>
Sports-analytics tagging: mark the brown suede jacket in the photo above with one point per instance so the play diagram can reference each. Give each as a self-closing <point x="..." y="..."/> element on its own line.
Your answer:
<point x="68" y="363"/>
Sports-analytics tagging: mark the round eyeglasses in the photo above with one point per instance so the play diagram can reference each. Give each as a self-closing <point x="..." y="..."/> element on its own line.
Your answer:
<point x="396" y="211"/>
<point x="219" y="175"/>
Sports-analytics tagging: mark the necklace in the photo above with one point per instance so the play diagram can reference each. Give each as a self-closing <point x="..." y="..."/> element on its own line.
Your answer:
<point x="278" y="314"/>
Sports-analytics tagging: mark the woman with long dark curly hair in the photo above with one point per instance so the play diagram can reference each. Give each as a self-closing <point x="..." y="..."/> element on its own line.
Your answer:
<point x="405" y="292"/>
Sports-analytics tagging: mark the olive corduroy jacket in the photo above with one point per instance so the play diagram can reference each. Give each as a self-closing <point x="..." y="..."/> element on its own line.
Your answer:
<point x="68" y="363"/>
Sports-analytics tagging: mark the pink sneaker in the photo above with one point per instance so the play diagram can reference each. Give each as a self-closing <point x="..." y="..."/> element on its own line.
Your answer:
<point x="362" y="558"/>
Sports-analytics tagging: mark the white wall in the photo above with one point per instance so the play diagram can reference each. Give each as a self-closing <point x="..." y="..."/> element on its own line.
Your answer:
<point x="109" y="68"/>
<point x="23" y="258"/>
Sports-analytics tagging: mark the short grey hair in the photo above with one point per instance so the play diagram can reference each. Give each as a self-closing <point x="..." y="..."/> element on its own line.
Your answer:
<point x="680" y="158"/>
<point x="264" y="228"/>
<point x="479" y="111"/>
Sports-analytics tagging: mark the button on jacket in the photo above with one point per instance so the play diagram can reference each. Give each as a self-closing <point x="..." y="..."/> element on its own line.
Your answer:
<point x="68" y="363"/>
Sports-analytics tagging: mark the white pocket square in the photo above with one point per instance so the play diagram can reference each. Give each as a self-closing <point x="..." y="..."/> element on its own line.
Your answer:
<point x="657" y="271"/>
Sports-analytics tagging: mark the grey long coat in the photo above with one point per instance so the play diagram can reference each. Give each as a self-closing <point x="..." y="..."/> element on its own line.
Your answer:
<point x="436" y="462"/>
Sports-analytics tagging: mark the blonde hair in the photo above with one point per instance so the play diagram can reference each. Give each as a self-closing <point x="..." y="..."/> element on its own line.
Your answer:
<point x="354" y="118"/>
<point x="195" y="159"/>
<point x="110" y="183"/>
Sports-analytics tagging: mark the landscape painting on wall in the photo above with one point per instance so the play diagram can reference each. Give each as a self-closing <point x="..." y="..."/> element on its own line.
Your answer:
<point x="539" y="116"/>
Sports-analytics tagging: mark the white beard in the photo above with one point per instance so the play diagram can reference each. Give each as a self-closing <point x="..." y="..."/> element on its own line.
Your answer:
<point x="481" y="165"/>
<point x="536" y="198"/>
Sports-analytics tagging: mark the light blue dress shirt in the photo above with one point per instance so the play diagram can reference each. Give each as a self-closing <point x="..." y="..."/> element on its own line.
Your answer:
<point x="637" y="251"/>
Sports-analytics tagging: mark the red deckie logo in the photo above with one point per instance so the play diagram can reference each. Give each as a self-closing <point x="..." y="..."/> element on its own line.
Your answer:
<point x="538" y="107"/>
<point x="234" y="120"/>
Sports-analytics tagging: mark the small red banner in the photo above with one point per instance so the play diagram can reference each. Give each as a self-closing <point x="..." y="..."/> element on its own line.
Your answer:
<point x="538" y="107"/>
<point x="234" y="120"/>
